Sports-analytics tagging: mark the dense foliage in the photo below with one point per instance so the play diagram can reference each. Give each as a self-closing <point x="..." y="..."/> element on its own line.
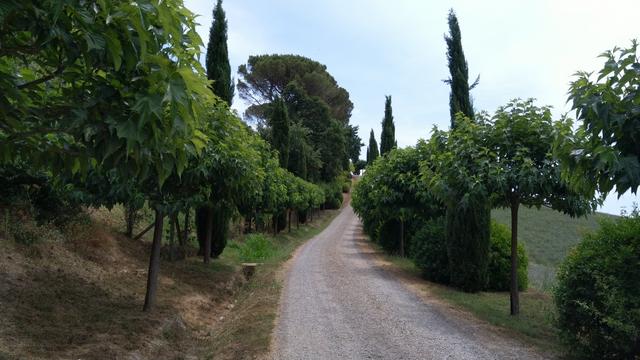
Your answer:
<point x="429" y="253"/>
<point x="458" y="176"/>
<point x="598" y="293"/>
<point x="317" y="106"/>
<point x="499" y="270"/>
<point x="604" y="153"/>
<point x="392" y="198"/>
<point x="106" y="103"/>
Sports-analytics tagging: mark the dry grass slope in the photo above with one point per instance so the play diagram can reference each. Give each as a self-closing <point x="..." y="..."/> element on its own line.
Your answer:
<point x="79" y="294"/>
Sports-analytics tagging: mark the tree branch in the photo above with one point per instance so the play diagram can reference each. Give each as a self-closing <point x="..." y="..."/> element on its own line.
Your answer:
<point x="42" y="79"/>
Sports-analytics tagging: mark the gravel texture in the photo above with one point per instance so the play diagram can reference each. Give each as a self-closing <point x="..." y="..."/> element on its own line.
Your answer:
<point x="338" y="304"/>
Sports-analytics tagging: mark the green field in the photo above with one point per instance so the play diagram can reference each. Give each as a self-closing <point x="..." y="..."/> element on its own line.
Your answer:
<point x="548" y="236"/>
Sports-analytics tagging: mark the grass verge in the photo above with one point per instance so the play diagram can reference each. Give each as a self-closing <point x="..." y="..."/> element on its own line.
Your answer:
<point x="533" y="326"/>
<point x="246" y="331"/>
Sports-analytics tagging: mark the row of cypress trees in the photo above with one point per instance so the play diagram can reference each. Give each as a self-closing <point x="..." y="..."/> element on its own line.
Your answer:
<point x="387" y="137"/>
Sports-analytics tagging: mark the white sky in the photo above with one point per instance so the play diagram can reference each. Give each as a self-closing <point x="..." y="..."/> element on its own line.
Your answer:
<point x="376" y="48"/>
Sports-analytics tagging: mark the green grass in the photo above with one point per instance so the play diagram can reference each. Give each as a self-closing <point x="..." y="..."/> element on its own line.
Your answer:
<point x="547" y="236"/>
<point x="534" y="325"/>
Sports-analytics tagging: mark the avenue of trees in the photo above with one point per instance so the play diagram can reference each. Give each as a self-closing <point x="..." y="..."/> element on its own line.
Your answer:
<point x="432" y="202"/>
<point x="107" y="103"/>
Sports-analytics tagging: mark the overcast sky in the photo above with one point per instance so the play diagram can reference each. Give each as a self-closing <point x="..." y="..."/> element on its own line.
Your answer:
<point x="376" y="48"/>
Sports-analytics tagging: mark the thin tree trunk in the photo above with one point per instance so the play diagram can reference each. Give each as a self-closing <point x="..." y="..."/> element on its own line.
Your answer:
<point x="297" y="219"/>
<point x="130" y="215"/>
<point x="207" y="239"/>
<point x="401" y="238"/>
<point x="154" y="263"/>
<point x="172" y="236"/>
<point x="185" y="231"/>
<point x="178" y="229"/>
<point x="289" y="220"/>
<point x="515" y="296"/>
<point x="146" y="230"/>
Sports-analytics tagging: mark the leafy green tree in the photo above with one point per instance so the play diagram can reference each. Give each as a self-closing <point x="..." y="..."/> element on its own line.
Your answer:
<point x="388" y="136"/>
<point x="73" y="93"/>
<point x="217" y="61"/>
<point x="265" y="77"/>
<point x="459" y="98"/>
<point x="313" y="99"/>
<point x="458" y="176"/>
<point x="280" y="137"/>
<point x="392" y="195"/>
<point x="372" y="149"/>
<point x="520" y="139"/>
<point x="604" y="153"/>
<point x="109" y="84"/>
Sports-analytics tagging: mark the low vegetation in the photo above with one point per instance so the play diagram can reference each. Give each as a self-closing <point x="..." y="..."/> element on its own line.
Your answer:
<point x="70" y="291"/>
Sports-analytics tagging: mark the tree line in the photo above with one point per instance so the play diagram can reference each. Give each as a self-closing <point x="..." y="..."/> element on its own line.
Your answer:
<point x="432" y="202"/>
<point x="107" y="103"/>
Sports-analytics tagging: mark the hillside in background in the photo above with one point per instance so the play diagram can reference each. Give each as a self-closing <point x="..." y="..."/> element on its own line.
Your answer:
<point x="548" y="236"/>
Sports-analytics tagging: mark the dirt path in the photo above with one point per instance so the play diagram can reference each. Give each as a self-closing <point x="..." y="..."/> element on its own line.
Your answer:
<point x="338" y="304"/>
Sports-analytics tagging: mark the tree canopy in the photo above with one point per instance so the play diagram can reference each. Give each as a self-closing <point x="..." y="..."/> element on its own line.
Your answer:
<point x="604" y="153"/>
<point x="110" y="83"/>
<point x="313" y="100"/>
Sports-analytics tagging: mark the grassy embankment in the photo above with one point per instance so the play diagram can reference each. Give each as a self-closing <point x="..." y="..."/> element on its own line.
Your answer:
<point x="547" y="236"/>
<point x="77" y="291"/>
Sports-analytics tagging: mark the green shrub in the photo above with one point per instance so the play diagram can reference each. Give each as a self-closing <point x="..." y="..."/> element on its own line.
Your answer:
<point x="468" y="241"/>
<point x="598" y="293"/>
<point x="255" y="248"/>
<point x="346" y="187"/>
<point x="389" y="236"/>
<point x="429" y="251"/>
<point x="332" y="194"/>
<point x="499" y="271"/>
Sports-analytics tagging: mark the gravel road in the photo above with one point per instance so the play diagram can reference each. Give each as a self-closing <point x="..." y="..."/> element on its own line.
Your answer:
<point x="339" y="304"/>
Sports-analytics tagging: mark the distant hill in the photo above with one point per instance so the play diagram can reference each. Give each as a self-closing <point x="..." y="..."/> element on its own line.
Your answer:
<point x="548" y="236"/>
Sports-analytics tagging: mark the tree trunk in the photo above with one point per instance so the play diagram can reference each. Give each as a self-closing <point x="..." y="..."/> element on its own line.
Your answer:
<point x="130" y="218"/>
<point x="207" y="238"/>
<point x="154" y="263"/>
<point x="515" y="296"/>
<point x="172" y="236"/>
<point x="178" y="229"/>
<point x="146" y="230"/>
<point x="185" y="230"/>
<point x="289" y="220"/>
<point x="401" y="238"/>
<point x="297" y="219"/>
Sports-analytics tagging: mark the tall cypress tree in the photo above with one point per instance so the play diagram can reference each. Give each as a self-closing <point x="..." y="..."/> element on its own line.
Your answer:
<point x="212" y="221"/>
<point x="459" y="98"/>
<point x="468" y="231"/>
<point x="279" y="122"/>
<point x="372" y="149"/>
<point x="388" y="136"/>
<point x="217" y="61"/>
